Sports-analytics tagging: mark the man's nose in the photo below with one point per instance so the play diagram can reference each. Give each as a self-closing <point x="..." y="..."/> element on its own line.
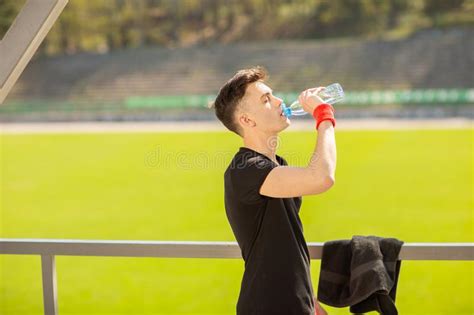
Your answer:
<point x="279" y="101"/>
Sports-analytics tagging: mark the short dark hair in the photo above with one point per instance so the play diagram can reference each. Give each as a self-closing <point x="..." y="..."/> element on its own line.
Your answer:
<point x="232" y="93"/>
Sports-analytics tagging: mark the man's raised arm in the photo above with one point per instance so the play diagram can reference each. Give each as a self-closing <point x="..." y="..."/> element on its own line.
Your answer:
<point x="319" y="175"/>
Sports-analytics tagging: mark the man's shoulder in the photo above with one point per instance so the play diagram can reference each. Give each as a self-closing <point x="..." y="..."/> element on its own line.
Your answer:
<point x="244" y="176"/>
<point x="246" y="159"/>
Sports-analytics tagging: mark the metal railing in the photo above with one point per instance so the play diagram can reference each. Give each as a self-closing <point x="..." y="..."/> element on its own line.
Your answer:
<point x="49" y="248"/>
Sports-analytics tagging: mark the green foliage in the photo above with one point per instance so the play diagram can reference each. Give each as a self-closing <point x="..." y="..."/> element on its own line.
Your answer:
<point x="103" y="25"/>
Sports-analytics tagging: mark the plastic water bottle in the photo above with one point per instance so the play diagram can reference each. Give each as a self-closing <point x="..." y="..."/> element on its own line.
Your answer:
<point x="331" y="94"/>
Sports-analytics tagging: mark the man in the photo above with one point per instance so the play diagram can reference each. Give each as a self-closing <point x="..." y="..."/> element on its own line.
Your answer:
<point x="263" y="194"/>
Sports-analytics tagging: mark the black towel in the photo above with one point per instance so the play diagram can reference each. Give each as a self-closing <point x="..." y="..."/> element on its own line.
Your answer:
<point x="361" y="273"/>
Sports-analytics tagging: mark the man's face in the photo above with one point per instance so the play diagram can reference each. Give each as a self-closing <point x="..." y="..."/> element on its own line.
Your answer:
<point x="260" y="109"/>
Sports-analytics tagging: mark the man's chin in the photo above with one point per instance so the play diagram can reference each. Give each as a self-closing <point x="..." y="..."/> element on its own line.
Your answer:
<point x="286" y="124"/>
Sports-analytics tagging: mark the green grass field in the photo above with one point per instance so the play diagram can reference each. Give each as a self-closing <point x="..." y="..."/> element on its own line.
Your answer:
<point x="416" y="186"/>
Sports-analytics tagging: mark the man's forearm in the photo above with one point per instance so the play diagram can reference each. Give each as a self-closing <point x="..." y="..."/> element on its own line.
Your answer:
<point x="323" y="161"/>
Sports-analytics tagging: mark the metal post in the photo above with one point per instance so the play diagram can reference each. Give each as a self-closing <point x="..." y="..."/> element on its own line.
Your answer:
<point x="50" y="297"/>
<point x="23" y="39"/>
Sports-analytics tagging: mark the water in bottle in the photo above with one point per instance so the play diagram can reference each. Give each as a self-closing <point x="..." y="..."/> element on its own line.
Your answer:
<point x="331" y="94"/>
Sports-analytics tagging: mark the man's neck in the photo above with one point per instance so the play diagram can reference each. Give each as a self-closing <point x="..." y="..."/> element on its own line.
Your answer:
<point x="265" y="144"/>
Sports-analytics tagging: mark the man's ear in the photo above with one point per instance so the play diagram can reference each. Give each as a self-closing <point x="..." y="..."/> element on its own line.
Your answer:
<point x="246" y="121"/>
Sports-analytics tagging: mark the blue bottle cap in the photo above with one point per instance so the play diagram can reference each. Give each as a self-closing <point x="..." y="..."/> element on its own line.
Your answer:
<point x="286" y="110"/>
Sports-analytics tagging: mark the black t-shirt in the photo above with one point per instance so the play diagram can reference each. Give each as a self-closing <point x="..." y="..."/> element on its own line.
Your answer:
<point x="269" y="232"/>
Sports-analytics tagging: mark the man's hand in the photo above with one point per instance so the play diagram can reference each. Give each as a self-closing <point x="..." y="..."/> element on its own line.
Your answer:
<point x="309" y="99"/>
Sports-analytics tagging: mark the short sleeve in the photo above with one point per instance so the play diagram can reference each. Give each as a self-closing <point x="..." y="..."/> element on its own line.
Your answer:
<point x="248" y="175"/>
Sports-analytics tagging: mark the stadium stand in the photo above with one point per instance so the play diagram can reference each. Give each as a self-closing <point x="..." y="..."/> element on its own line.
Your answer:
<point x="104" y="83"/>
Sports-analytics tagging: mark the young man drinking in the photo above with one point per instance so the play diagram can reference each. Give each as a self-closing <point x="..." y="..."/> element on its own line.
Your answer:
<point x="263" y="194"/>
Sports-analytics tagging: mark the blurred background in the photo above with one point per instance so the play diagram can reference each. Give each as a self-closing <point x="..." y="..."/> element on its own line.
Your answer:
<point x="160" y="62"/>
<point x="165" y="60"/>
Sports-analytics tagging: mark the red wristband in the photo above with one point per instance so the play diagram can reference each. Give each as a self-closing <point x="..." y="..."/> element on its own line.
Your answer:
<point x="324" y="112"/>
